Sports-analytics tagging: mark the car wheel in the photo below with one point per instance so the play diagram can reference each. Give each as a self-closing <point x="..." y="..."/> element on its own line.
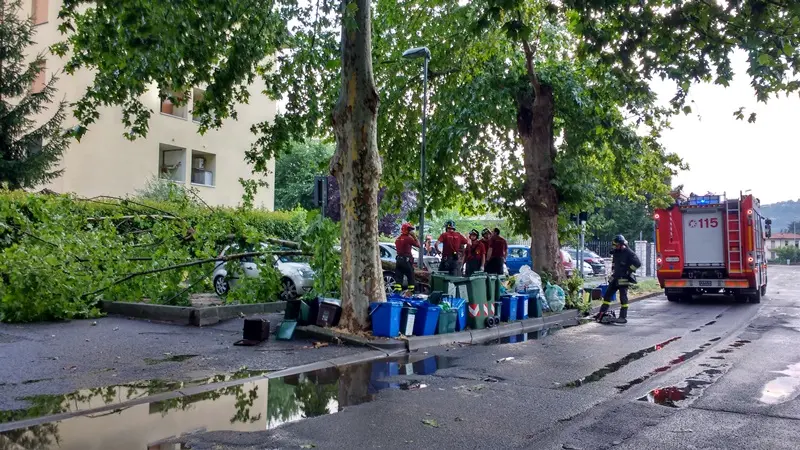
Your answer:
<point x="289" y="291"/>
<point x="389" y="281"/>
<point x="221" y="285"/>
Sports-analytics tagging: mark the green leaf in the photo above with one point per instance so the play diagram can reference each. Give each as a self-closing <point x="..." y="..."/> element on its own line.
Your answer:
<point x="765" y="59"/>
<point x="687" y="109"/>
<point x="431" y="423"/>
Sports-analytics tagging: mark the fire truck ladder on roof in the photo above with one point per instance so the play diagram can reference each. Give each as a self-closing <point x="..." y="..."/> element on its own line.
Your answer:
<point x="733" y="234"/>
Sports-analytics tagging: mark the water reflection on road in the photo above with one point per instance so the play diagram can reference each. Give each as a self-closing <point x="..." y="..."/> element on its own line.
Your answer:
<point x="250" y="406"/>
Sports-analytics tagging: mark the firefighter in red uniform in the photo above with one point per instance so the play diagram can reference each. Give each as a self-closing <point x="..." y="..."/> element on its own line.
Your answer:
<point x="497" y="253"/>
<point x="452" y="244"/>
<point x="476" y="255"/>
<point x="405" y="260"/>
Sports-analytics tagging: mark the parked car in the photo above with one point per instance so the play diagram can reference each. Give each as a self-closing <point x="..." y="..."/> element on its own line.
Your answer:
<point x="297" y="277"/>
<point x="518" y="256"/>
<point x="597" y="263"/>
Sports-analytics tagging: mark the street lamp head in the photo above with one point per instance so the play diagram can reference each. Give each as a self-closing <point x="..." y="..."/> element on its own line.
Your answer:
<point x="418" y="52"/>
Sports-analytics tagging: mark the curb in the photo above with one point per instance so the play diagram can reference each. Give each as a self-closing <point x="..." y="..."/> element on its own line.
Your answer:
<point x="633" y="300"/>
<point x="413" y="343"/>
<point x="330" y="335"/>
<point x="187" y="315"/>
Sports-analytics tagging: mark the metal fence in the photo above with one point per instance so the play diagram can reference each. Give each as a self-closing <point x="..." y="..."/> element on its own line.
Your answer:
<point x="602" y="248"/>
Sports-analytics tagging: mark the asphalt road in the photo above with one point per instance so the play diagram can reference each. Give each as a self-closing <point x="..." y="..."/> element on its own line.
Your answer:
<point x="727" y="376"/>
<point x="59" y="358"/>
<point x="586" y="387"/>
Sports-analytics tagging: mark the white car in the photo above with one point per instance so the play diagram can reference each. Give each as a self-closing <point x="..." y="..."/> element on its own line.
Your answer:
<point x="297" y="277"/>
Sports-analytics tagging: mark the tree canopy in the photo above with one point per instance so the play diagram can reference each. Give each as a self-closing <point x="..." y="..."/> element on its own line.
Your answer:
<point x="295" y="171"/>
<point x="537" y="107"/>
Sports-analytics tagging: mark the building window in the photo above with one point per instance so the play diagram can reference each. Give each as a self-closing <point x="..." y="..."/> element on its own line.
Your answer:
<point x="171" y="109"/>
<point x="204" y="168"/>
<point x="172" y="163"/>
<point x="39" y="11"/>
<point x="197" y="96"/>
<point x="40" y="81"/>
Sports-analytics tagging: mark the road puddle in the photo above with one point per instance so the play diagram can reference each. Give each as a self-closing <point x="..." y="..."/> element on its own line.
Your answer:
<point x="681" y="359"/>
<point x="533" y="335"/>
<point x="615" y="366"/>
<point x="254" y="405"/>
<point x="676" y="396"/>
<point x="784" y="388"/>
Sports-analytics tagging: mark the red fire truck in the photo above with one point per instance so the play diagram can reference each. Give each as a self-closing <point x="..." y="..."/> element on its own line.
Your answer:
<point x="712" y="245"/>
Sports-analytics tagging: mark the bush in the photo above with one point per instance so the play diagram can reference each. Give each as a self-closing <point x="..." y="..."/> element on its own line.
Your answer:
<point x="60" y="254"/>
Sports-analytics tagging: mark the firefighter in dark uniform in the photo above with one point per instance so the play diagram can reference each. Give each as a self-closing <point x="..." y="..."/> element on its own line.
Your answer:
<point x="496" y="253"/>
<point x="476" y="255"/>
<point x="624" y="263"/>
<point x="405" y="259"/>
<point x="452" y="244"/>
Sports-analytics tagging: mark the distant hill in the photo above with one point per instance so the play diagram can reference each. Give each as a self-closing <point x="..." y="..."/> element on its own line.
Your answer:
<point x="782" y="213"/>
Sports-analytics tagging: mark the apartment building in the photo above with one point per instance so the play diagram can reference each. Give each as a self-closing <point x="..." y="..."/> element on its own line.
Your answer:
<point x="778" y="240"/>
<point x="105" y="163"/>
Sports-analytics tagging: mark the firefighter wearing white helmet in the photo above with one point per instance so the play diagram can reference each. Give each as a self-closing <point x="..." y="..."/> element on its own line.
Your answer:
<point x="624" y="263"/>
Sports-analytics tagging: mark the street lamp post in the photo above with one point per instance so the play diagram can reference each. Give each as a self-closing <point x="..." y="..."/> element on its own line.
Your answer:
<point x="413" y="53"/>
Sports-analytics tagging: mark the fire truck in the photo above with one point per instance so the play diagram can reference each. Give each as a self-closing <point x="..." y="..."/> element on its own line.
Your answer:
<point x="710" y="244"/>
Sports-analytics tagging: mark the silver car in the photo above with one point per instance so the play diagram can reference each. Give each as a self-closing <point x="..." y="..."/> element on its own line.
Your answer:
<point x="297" y="277"/>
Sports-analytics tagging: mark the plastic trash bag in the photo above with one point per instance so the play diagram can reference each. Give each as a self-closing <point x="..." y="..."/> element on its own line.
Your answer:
<point x="555" y="297"/>
<point x="526" y="279"/>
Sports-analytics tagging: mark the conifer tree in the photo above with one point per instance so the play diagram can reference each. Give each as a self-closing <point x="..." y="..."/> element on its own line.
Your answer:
<point x="31" y="139"/>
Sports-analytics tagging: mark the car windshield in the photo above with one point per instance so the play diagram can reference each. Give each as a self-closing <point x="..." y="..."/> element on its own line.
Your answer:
<point x="294" y="259"/>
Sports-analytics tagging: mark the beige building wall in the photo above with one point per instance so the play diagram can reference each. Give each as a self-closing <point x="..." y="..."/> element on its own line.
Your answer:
<point x="105" y="163"/>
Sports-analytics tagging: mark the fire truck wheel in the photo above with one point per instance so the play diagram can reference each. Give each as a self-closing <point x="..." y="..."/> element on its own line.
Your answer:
<point x="763" y="290"/>
<point x="673" y="298"/>
<point x="756" y="298"/>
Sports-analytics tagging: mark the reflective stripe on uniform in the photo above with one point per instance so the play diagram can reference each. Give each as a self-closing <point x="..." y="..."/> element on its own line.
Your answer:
<point x="624" y="305"/>
<point x="623" y="282"/>
<point x="606" y="303"/>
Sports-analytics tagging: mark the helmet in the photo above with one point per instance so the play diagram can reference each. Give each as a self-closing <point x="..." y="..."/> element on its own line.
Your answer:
<point x="475" y="232"/>
<point x="485" y="232"/>
<point x="406" y="228"/>
<point x="619" y="240"/>
<point x="450" y="224"/>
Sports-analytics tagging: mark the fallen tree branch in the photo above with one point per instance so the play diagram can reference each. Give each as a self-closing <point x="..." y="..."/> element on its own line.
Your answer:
<point x="198" y="262"/>
<point x="135" y="216"/>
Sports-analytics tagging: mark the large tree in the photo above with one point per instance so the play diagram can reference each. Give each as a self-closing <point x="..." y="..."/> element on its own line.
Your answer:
<point x="31" y="144"/>
<point x="535" y="104"/>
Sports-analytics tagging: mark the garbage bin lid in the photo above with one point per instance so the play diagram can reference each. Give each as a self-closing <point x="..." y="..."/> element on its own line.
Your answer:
<point x="330" y="301"/>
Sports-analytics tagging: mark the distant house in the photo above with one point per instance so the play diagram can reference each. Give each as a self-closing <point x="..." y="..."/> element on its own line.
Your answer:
<point x="779" y="240"/>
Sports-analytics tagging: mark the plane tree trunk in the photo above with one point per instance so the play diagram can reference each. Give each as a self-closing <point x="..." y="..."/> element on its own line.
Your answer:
<point x="357" y="168"/>
<point x="535" y="113"/>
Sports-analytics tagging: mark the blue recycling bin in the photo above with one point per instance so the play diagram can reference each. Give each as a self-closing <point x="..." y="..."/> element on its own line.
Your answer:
<point x="460" y="305"/>
<point x="426" y="320"/>
<point x="508" y="310"/>
<point x="522" y="306"/>
<point x="385" y="318"/>
<point x="603" y="289"/>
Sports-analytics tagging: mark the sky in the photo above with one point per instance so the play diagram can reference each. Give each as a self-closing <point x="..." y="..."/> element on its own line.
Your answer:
<point x="729" y="155"/>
